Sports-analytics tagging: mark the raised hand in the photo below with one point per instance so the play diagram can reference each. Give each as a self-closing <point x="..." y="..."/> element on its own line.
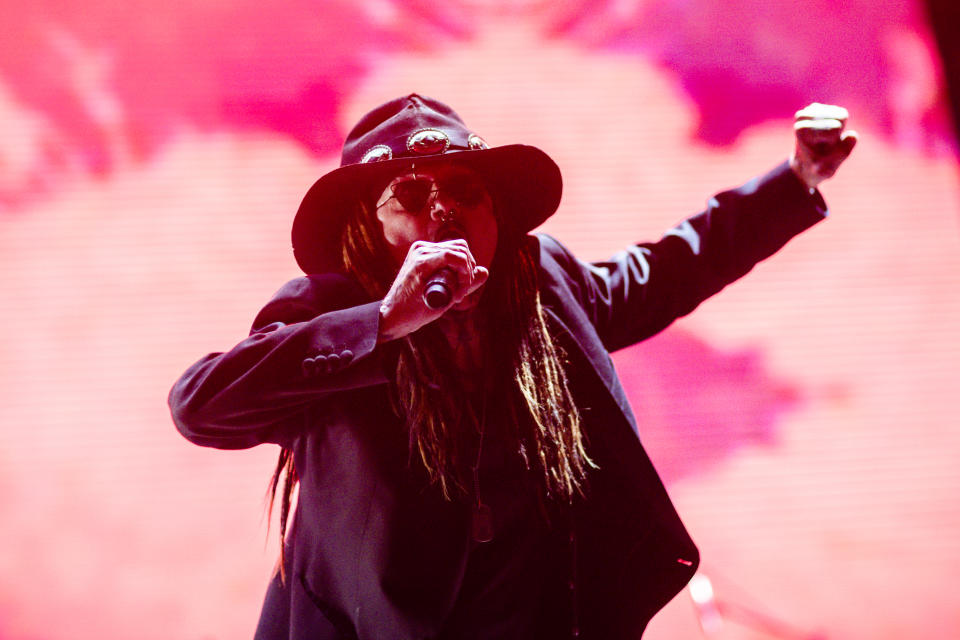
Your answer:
<point x="821" y="142"/>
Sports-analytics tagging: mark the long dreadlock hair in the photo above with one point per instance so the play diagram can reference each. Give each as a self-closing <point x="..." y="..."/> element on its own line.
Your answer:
<point x="546" y="421"/>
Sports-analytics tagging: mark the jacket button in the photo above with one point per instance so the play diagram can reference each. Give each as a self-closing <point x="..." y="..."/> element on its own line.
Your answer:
<point x="323" y="366"/>
<point x="333" y="362"/>
<point x="309" y="366"/>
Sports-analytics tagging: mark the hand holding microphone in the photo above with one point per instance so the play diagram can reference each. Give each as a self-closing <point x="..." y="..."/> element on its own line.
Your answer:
<point x="434" y="277"/>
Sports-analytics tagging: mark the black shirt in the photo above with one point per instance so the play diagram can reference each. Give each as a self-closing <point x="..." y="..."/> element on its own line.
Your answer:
<point x="514" y="585"/>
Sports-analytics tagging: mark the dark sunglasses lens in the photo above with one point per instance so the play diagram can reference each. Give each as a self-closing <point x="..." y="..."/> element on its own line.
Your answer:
<point x="467" y="192"/>
<point x="412" y="194"/>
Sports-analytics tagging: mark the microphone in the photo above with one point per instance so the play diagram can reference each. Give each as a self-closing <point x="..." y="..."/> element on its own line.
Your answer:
<point x="439" y="290"/>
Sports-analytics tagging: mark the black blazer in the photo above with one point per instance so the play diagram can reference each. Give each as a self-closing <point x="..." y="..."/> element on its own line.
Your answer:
<point x="373" y="554"/>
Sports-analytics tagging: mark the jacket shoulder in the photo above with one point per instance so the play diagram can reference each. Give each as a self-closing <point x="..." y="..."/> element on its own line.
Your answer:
<point x="304" y="298"/>
<point x="552" y="253"/>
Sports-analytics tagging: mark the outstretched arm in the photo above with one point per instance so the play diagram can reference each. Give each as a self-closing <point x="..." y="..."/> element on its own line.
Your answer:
<point x="643" y="289"/>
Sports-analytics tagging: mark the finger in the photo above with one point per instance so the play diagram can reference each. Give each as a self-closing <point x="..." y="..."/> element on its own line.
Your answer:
<point x="425" y="246"/>
<point x="480" y="276"/>
<point x="460" y="246"/>
<point x="848" y="141"/>
<point x="432" y="253"/>
<point x="461" y="262"/>
<point x="818" y="111"/>
<point x="826" y="125"/>
<point x="840" y="152"/>
<point x="816" y="148"/>
<point x="844" y="149"/>
<point x="827" y="166"/>
<point x="458" y="242"/>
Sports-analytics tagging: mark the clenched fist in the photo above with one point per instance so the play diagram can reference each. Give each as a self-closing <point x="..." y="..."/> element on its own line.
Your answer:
<point x="821" y="143"/>
<point x="404" y="310"/>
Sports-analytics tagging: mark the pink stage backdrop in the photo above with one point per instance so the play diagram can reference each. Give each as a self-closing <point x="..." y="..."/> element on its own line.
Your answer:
<point x="153" y="155"/>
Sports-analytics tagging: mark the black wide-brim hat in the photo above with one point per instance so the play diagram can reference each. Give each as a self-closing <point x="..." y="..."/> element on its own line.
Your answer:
<point x="523" y="181"/>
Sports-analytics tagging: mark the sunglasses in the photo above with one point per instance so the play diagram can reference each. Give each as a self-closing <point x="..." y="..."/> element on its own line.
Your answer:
<point x="414" y="194"/>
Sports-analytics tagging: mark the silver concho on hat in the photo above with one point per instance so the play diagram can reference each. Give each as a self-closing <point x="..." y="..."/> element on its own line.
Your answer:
<point x="428" y="141"/>
<point x="377" y="153"/>
<point x="477" y="143"/>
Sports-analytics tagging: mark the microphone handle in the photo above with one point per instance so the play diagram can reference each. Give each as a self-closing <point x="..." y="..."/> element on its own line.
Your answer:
<point x="439" y="290"/>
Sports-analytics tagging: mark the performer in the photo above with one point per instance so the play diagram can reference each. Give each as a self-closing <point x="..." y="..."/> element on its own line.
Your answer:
<point x="464" y="458"/>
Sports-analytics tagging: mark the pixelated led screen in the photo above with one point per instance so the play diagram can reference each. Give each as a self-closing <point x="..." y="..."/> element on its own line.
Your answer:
<point x="152" y="156"/>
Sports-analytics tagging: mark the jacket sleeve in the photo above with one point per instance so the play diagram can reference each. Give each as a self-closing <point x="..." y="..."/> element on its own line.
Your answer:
<point x="640" y="291"/>
<point x="315" y="338"/>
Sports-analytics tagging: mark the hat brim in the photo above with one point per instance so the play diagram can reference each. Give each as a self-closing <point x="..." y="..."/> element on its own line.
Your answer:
<point x="524" y="182"/>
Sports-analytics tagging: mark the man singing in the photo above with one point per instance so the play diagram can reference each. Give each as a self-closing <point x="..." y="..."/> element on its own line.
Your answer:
<point x="464" y="459"/>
